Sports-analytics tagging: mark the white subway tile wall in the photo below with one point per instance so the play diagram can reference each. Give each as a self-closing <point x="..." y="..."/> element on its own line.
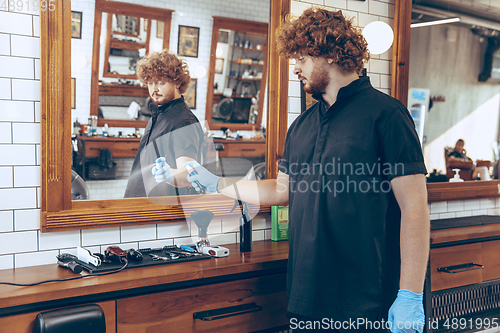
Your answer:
<point x="6" y="220"/>
<point x="26" y="219"/>
<point x="6" y="177"/>
<point x="5" y="84"/>
<point x="378" y="68"/>
<point x="4" y="44"/>
<point x="21" y="242"/>
<point x="35" y="258"/>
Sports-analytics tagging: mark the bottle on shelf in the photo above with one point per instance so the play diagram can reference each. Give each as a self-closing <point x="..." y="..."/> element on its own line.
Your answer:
<point x="76" y="127"/>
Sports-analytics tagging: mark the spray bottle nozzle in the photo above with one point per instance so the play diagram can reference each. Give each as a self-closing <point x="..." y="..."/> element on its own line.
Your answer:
<point x="243" y="204"/>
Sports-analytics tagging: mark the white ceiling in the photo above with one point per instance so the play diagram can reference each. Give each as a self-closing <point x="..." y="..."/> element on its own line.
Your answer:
<point x="488" y="10"/>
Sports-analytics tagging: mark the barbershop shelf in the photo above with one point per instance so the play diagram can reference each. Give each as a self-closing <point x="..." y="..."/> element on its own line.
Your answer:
<point x="122" y="90"/>
<point x="121" y="44"/>
<point x="266" y="258"/>
<point x="263" y="49"/>
<point x="241" y="79"/>
<point x="242" y="148"/>
<point x="246" y="63"/>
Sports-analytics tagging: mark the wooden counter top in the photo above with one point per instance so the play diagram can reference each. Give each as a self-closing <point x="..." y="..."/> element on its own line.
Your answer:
<point x="266" y="255"/>
<point x="464" y="230"/>
<point x="107" y="138"/>
<point x="262" y="140"/>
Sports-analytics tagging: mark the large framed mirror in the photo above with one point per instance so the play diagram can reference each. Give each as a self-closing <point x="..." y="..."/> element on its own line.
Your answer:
<point x="59" y="212"/>
<point x="408" y="43"/>
<point x="237" y="76"/>
<point x="123" y="33"/>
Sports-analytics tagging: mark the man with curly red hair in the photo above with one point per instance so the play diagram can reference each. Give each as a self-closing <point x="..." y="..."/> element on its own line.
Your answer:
<point x="353" y="176"/>
<point x="173" y="135"/>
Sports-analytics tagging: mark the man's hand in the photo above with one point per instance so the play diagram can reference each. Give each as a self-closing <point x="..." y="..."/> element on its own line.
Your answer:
<point x="203" y="177"/>
<point x="162" y="171"/>
<point x="407" y="312"/>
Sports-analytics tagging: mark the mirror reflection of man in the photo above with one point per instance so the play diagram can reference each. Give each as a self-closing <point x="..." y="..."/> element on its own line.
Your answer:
<point x="459" y="153"/>
<point x="353" y="176"/>
<point x="173" y="135"/>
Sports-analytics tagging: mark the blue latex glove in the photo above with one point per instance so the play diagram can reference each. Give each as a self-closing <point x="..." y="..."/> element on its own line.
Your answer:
<point x="202" y="176"/>
<point x="161" y="171"/>
<point x="407" y="312"/>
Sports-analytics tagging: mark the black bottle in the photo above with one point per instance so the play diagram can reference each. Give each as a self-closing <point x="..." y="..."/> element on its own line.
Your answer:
<point x="245" y="226"/>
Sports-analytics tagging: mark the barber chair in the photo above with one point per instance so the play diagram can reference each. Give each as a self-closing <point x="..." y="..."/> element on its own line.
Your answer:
<point x="79" y="190"/>
<point x="258" y="172"/>
<point x="77" y="319"/>
<point x="464" y="166"/>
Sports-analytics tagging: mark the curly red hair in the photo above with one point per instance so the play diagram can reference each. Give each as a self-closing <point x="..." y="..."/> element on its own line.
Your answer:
<point x="163" y="64"/>
<point x="322" y="33"/>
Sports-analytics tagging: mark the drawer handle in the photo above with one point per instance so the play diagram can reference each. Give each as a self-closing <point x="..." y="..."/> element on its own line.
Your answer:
<point x="460" y="268"/>
<point x="226" y="312"/>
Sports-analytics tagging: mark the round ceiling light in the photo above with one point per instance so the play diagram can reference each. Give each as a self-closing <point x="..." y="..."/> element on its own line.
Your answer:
<point x="379" y="36"/>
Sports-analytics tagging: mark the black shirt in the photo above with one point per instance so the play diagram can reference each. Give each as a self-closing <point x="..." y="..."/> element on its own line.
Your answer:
<point x="173" y="131"/>
<point x="344" y="255"/>
<point x="457" y="154"/>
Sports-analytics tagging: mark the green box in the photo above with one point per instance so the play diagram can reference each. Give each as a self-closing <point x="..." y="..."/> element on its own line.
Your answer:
<point x="279" y="223"/>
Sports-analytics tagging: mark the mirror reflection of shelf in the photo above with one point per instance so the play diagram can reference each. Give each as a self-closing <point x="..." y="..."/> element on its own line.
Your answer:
<point x="122" y="90"/>
<point x="127" y="45"/>
<point x="246" y="63"/>
<point x="235" y="97"/>
<point x="263" y="49"/>
<point x="241" y="79"/>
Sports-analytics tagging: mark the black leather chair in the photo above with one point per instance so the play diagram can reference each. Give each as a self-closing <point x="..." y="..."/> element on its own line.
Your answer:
<point x="78" y="319"/>
<point x="79" y="190"/>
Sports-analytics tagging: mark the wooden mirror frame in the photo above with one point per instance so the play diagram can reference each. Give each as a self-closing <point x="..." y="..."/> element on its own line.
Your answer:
<point x="121" y="8"/>
<point x="58" y="212"/>
<point x="250" y="27"/>
<point x="399" y="89"/>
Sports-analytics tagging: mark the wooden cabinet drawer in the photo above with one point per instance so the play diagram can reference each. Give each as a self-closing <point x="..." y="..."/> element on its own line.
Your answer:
<point x="243" y="150"/>
<point x="490" y="252"/>
<point x="125" y="149"/>
<point x="118" y="149"/>
<point x="453" y="256"/>
<point x="486" y="254"/>
<point x="173" y="311"/>
<point x="24" y="323"/>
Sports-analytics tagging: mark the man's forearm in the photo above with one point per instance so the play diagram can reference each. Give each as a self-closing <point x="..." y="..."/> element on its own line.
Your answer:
<point x="415" y="233"/>
<point x="268" y="192"/>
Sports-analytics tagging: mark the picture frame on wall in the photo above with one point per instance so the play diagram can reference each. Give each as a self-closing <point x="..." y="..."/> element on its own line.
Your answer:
<point x="190" y="94"/>
<point x="76" y="24"/>
<point x="219" y="65"/>
<point x="188" y="41"/>
<point x="73" y="93"/>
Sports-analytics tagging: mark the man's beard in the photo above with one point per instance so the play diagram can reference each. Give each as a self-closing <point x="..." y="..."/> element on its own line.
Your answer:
<point x="317" y="82"/>
<point x="164" y="99"/>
